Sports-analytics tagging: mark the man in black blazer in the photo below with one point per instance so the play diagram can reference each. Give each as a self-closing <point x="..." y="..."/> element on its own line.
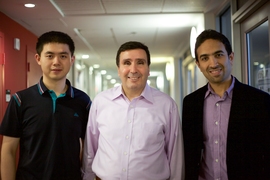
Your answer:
<point x="226" y="124"/>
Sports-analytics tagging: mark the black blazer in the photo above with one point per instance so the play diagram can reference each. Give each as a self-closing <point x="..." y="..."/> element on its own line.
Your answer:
<point x="248" y="140"/>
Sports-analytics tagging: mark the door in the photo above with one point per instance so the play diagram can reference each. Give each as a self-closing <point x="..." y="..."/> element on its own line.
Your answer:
<point x="2" y="96"/>
<point x="33" y="69"/>
<point x="256" y="43"/>
<point x="2" y="62"/>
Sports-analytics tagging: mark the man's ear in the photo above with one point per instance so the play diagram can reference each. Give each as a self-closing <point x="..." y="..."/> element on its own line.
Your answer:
<point x="72" y="60"/>
<point x="197" y="63"/>
<point x="231" y="57"/>
<point x="37" y="57"/>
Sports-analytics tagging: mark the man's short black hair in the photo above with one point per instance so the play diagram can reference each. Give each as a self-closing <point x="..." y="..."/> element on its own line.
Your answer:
<point x="54" y="37"/>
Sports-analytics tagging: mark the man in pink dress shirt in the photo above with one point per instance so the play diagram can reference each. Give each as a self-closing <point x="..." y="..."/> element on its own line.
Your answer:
<point x="134" y="130"/>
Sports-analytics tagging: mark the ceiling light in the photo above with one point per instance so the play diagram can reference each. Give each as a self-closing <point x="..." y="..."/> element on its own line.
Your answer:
<point x="193" y="36"/>
<point x="113" y="81"/>
<point x="103" y="72"/>
<point x="85" y="56"/>
<point x="29" y="5"/>
<point x="79" y="66"/>
<point x="169" y="71"/>
<point x="262" y="66"/>
<point x="108" y="77"/>
<point x="256" y="63"/>
<point x="96" y="66"/>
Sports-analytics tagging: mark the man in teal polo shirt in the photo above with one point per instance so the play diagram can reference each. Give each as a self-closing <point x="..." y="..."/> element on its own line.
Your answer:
<point x="48" y="120"/>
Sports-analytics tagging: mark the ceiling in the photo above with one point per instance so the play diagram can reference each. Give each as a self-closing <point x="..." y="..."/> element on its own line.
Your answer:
<point x="99" y="27"/>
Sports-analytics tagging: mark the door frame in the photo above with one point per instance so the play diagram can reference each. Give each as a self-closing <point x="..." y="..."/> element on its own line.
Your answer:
<point x="2" y="85"/>
<point x="254" y="20"/>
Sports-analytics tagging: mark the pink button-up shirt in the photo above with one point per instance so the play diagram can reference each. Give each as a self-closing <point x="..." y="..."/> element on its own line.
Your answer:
<point x="133" y="140"/>
<point x="215" y="127"/>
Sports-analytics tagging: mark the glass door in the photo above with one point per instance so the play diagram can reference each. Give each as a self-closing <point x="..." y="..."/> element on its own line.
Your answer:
<point x="258" y="57"/>
<point x="255" y="53"/>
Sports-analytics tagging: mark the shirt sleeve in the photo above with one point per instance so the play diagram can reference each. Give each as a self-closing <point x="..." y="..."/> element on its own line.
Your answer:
<point x="90" y="145"/>
<point x="11" y="125"/>
<point x="174" y="146"/>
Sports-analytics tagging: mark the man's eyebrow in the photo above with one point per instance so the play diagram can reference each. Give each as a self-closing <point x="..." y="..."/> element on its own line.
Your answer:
<point x="137" y="59"/>
<point x="216" y="52"/>
<point x="219" y="51"/>
<point x="141" y="59"/>
<point x="204" y="55"/>
<point x="49" y="52"/>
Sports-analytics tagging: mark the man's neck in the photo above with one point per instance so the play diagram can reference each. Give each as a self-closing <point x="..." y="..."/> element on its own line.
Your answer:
<point x="131" y="94"/>
<point x="58" y="86"/>
<point x="220" y="88"/>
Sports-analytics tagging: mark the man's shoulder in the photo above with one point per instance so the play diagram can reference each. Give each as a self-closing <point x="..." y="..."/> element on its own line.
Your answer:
<point x="247" y="89"/>
<point x="78" y="91"/>
<point x="27" y="91"/>
<point x="79" y="94"/>
<point x="197" y="93"/>
<point x="109" y="92"/>
<point x="160" y="94"/>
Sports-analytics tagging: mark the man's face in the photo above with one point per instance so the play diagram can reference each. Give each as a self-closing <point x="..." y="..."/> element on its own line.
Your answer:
<point x="214" y="61"/>
<point x="133" y="70"/>
<point x="55" y="61"/>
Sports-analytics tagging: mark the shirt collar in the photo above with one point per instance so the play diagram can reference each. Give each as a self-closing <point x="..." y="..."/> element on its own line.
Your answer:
<point x="42" y="88"/>
<point x="146" y="94"/>
<point x="228" y="91"/>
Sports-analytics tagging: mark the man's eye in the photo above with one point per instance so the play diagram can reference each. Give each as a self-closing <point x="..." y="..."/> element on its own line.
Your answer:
<point x="140" y="62"/>
<point x="127" y="63"/>
<point x="204" y="59"/>
<point x="49" y="56"/>
<point x="63" y="57"/>
<point x="219" y="55"/>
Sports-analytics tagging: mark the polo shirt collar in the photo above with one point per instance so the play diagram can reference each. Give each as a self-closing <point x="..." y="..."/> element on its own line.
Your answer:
<point x="42" y="88"/>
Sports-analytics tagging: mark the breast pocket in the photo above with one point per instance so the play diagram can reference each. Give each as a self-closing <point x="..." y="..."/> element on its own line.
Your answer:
<point x="150" y="136"/>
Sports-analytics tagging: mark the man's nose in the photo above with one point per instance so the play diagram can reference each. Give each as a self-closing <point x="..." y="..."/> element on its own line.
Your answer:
<point x="56" y="60"/>
<point x="133" y="68"/>
<point x="213" y="61"/>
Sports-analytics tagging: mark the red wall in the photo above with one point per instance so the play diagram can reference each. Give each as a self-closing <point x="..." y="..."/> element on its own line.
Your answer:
<point x="15" y="68"/>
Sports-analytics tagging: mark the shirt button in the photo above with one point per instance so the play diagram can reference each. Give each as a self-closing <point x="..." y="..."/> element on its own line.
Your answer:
<point x="129" y="121"/>
<point x="125" y="153"/>
<point x="216" y="160"/>
<point x="216" y="123"/>
<point x="124" y="170"/>
<point x="126" y="137"/>
<point x="216" y="142"/>
<point x="217" y="104"/>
